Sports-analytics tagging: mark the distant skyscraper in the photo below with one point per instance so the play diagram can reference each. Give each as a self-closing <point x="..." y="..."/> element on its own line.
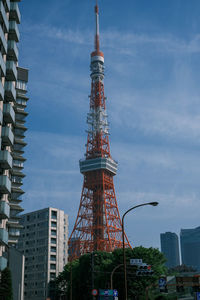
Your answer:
<point x="13" y="100"/>
<point x="170" y="248"/>
<point x="44" y="242"/>
<point x="190" y="247"/>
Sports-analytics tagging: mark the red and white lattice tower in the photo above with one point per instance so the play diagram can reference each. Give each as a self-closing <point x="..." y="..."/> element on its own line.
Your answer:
<point x="98" y="225"/>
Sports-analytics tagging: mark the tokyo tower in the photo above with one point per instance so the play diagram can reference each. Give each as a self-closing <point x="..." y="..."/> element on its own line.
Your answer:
<point x="98" y="224"/>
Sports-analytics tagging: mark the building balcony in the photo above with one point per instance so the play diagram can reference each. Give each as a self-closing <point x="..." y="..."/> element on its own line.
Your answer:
<point x="3" y="236"/>
<point x="13" y="52"/>
<point x="13" y="31"/>
<point x="11" y="71"/>
<point x="1" y="117"/>
<point x="4" y="210"/>
<point x="3" y="263"/>
<point x="3" y="16"/>
<point x="14" y="232"/>
<point x="14" y="12"/>
<point x="3" y="41"/>
<point x="2" y="65"/>
<point x="5" y="184"/>
<point x="6" y="159"/>
<point x="7" y="136"/>
<point x="8" y="113"/>
<point x="1" y="91"/>
<point x="17" y="180"/>
<point x="10" y="91"/>
<point x="7" y="5"/>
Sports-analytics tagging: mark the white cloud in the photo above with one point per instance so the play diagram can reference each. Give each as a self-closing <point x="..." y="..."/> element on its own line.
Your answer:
<point x="125" y="42"/>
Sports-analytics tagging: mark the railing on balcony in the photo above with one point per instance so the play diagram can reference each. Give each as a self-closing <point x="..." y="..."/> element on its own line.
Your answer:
<point x="1" y="91"/>
<point x="10" y="91"/>
<point x="6" y="159"/>
<point x="7" y="5"/>
<point x="11" y="71"/>
<point x="14" y="12"/>
<point x="8" y="113"/>
<point x="2" y="65"/>
<point x="13" y="51"/>
<point x="3" y="263"/>
<point x="3" y="16"/>
<point x="7" y="136"/>
<point x="18" y="163"/>
<point x="5" y="184"/>
<point x="1" y="117"/>
<point x="3" y="236"/>
<point x="3" y="41"/>
<point x="13" y="31"/>
<point x="4" y="210"/>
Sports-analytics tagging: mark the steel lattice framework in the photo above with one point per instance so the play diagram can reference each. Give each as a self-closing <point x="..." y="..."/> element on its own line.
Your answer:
<point x="98" y="225"/>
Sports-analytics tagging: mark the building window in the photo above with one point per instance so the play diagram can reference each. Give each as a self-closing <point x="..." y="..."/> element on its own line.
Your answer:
<point x="53" y="249"/>
<point x="21" y="85"/>
<point x="53" y="258"/>
<point x="52" y="276"/>
<point x="53" y="232"/>
<point x="54" y="214"/>
<point x="21" y="101"/>
<point x="53" y="241"/>
<point x="52" y="266"/>
<point x="53" y="224"/>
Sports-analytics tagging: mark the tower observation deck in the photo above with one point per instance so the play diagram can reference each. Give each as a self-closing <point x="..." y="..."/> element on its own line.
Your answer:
<point x="98" y="225"/>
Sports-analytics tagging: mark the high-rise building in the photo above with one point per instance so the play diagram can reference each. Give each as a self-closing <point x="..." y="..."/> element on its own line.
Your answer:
<point x="170" y="248"/>
<point x="98" y="224"/>
<point x="13" y="100"/>
<point x="44" y="242"/>
<point x="190" y="247"/>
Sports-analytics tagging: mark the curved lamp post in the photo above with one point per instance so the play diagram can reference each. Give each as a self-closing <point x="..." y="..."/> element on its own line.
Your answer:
<point x="124" y="254"/>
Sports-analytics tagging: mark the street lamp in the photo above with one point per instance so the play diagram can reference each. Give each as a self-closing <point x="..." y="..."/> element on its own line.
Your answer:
<point x="124" y="254"/>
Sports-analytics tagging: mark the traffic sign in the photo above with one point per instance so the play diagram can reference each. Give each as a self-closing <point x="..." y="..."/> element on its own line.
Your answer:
<point x="94" y="292"/>
<point x="162" y="282"/>
<point x="135" y="261"/>
<point x="115" y="293"/>
<point x="198" y="295"/>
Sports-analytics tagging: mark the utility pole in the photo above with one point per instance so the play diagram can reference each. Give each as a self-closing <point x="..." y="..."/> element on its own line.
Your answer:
<point x="70" y="281"/>
<point x="92" y="268"/>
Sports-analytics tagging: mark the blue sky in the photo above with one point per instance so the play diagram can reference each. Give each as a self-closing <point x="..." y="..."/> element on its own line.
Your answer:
<point x="152" y="60"/>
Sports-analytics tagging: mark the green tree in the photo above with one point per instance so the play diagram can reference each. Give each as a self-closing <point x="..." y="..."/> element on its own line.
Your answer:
<point x="181" y="269"/>
<point x="6" y="285"/>
<point x="104" y="263"/>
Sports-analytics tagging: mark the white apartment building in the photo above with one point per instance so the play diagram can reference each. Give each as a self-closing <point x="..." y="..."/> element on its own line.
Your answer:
<point x="44" y="242"/>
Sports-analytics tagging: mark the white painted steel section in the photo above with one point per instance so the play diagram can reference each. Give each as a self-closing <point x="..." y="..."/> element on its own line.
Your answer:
<point x="97" y="58"/>
<point x="97" y="121"/>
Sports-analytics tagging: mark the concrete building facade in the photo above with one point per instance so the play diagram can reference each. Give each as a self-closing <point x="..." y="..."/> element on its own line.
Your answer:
<point x="44" y="242"/>
<point x="13" y="100"/>
<point x="190" y="247"/>
<point x="170" y="248"/>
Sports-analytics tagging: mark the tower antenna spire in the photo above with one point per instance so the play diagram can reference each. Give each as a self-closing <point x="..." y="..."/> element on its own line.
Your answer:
<point x="97" y="27"/>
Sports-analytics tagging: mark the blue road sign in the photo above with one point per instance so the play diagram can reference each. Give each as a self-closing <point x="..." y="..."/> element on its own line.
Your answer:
<point x="162" y="282"/>
<point x="198" y="295"/>
<point x="115" y="293"/>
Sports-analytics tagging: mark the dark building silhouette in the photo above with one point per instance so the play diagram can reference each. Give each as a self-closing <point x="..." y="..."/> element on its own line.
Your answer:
<point x="170" y="248"/>
<point x="190" y="247"/>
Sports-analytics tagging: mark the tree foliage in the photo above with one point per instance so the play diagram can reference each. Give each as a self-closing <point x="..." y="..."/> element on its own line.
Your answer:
<point x="6" y="285"/>
<point x="181" y="269"/>
<point x="104" y="263"/>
